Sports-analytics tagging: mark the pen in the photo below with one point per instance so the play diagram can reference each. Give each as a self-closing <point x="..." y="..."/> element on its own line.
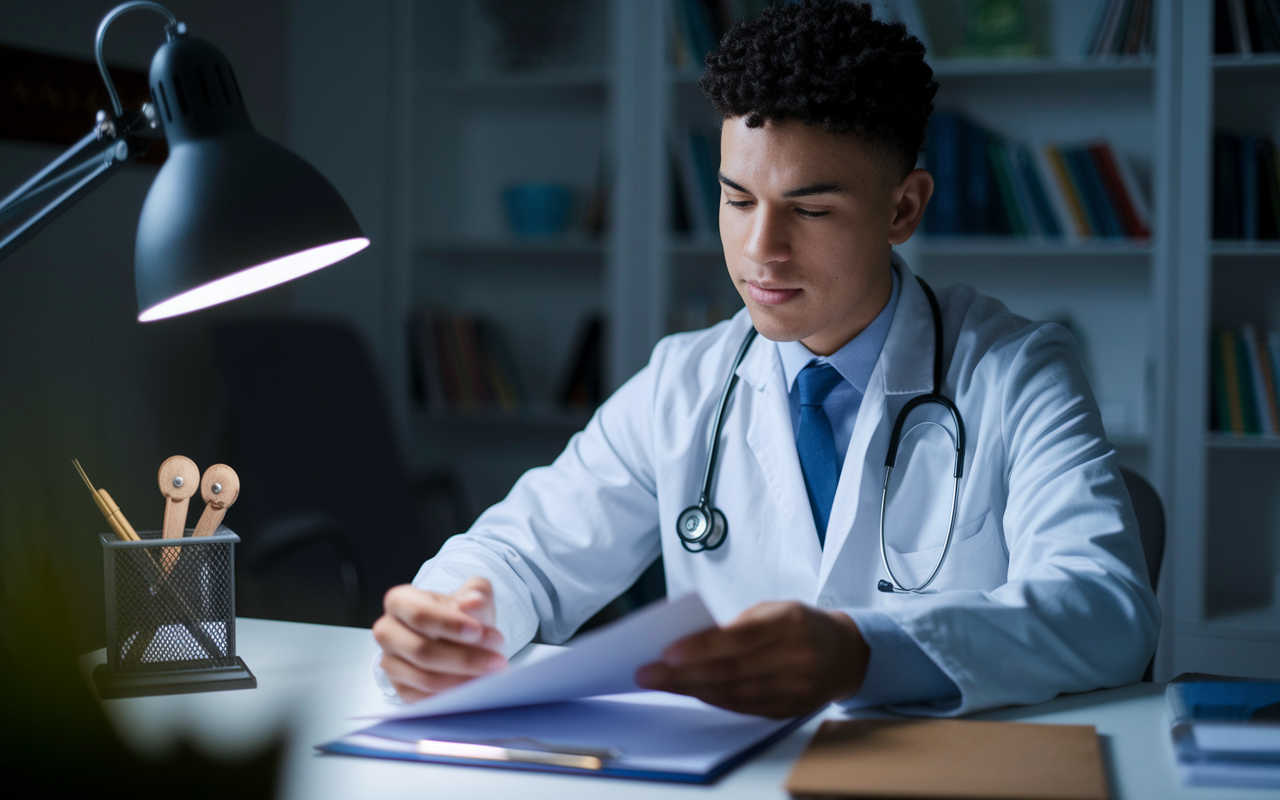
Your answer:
<point x="119" y="525"/>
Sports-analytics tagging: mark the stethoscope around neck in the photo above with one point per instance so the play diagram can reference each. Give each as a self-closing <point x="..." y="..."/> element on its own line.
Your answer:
<point x="704" y="527"/>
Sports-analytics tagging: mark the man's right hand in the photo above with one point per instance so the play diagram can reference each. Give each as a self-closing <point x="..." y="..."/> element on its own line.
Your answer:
<point x="432" y="642"/>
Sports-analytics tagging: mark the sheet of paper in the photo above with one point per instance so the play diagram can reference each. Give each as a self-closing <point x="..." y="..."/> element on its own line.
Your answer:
<point x="601" y="662"/>
<point x="654" y="731"/>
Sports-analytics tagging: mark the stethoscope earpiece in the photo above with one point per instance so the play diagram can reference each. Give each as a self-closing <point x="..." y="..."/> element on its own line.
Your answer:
<point x="885" y="586"/>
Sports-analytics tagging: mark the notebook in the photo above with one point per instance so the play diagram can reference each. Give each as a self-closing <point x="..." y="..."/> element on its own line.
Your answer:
<point x="950" y="758"/>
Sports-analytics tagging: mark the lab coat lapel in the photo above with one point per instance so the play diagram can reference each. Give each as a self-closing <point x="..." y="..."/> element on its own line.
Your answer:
<point x="905" y="367"/>
<point x="772" y="442"/>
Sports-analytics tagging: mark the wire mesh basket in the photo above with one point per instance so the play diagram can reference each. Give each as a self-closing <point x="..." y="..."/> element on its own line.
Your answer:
<point x="171" y="621"/>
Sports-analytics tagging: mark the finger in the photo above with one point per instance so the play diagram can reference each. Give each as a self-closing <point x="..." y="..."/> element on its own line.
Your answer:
<point x="435" y="655"/>
<point x="475" y="597"/>
<point x="433" y="616"/>
<point x="759" y="665"/>
<point x="405" y="676"/>
<point x="732" y="641"/>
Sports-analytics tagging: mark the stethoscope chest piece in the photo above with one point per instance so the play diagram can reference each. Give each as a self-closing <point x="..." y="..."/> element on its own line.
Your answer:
<point x="701" y="528"/>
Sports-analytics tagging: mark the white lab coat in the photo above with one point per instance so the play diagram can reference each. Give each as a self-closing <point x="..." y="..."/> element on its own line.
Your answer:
<point x="1044" y="589"/>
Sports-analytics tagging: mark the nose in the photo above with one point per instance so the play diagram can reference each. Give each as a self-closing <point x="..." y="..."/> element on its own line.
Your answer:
<point x="768" y="241"/>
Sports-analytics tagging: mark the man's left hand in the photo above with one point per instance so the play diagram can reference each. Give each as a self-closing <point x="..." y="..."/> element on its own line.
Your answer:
<point x="777" y="659"/>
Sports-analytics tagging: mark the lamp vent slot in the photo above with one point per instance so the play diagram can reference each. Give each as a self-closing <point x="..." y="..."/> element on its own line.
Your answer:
<point x="181" y="95"/>
<point x="217" y="70"/>
<point x="235" y="83"/>
<point x="164" y="100"/>
<point x="204" y="89"/>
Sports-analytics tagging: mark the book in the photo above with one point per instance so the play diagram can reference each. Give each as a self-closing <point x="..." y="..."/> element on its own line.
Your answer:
<point x="1069" y="190"/>
<point x="461" y="363"/>
<point x="1018" y="223"/>
<point x="1231" y="382"/>
<point x="1104" y="161"/>
<point x="942" y="157"/>
<point x="583" y="386"/>
<point x="1219" y="405"/>
<point x="1047" y="216"/>
<point x="1102" y="215"/>
<point x="1258" y="382"/>
<point x="1225" y="732"/>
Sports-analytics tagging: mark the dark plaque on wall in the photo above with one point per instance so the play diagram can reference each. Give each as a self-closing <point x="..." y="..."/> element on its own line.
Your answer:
<point x="53" y="99"/>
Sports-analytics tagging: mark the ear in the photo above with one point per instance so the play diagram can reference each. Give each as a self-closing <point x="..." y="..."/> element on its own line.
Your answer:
<point x="909" y="201"/>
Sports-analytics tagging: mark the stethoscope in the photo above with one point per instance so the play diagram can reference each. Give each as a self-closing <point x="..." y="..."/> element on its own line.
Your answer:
<point x="704" y="527"/>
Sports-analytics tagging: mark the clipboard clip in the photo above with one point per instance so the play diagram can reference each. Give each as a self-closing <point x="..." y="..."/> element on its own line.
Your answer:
<point x="541" y="753"/>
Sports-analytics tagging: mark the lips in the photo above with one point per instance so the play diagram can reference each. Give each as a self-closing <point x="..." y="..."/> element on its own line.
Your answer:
<point x="770" y="297"/>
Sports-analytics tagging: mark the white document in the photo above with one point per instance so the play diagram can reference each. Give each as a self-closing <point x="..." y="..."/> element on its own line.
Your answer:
<point x="650" y="731"/>
<point x="601" y="662"/>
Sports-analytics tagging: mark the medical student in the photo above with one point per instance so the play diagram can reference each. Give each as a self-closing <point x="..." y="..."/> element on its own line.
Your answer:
<point x="1038" y="579"/>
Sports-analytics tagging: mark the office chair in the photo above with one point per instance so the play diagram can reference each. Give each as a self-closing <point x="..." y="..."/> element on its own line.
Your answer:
<point x="1150" y="513"/>
<point x="329" y="517"/>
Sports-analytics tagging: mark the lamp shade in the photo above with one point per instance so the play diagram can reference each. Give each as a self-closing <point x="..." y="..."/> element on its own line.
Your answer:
<point x="230" y="212"/>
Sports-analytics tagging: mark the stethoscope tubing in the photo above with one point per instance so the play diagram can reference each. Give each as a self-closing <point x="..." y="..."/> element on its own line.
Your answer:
<point x="708" y="515"/>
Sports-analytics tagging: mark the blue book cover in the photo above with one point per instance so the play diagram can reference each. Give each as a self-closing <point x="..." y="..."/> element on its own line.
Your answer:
<point x="942" y="157"/>
<point x="1225" y="721"/>
<point x="980" y="193"/>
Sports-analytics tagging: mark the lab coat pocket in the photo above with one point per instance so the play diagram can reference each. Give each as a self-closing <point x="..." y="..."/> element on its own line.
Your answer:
<point x="914" y="567"/>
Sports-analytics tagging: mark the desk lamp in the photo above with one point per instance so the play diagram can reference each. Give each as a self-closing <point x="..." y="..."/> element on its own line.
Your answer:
<point x="230" y="212"/>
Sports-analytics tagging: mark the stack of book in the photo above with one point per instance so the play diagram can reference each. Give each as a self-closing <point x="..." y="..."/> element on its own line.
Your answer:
<point x="1245" y="27"/>
<point x="1246" y="187"/>
<point x="986" y="184"/>
<point x="462" y="363"/>
<point x="1245" y="363"/>
<point x="1226" y="731"/>
<point x="1120" y="28"/>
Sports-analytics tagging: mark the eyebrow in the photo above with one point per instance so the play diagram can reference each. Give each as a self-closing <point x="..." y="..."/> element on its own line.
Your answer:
<point x="803" y="191"/>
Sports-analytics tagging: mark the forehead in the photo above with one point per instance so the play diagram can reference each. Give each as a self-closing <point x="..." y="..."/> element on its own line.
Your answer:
<point x="790" y="153"/>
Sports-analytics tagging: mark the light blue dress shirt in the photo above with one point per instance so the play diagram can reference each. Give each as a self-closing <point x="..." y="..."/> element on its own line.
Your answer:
<point x="899" y="671"/>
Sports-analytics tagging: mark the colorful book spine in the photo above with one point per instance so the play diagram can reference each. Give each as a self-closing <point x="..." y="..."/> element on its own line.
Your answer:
<point x="1070" y="191"/>
<point x="1258" y="382"/>
<point x="1231" y="382"/>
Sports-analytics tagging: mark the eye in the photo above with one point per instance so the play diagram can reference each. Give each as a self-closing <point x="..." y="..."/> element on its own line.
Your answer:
<point x="807" y="214"/>
<point x="740" y="203"/>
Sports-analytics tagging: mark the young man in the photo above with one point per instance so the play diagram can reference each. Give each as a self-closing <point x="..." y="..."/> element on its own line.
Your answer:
<point x="1040" y="583"/>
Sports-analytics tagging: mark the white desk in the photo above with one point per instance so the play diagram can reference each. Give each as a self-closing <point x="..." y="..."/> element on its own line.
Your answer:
<point x="312" y="678"/>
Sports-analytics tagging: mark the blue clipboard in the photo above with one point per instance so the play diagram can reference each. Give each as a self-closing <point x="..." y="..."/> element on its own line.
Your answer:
<point x="677" y="727"/>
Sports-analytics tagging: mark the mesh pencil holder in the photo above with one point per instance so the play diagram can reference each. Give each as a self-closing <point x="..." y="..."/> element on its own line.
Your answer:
<point x="171" y="616"/>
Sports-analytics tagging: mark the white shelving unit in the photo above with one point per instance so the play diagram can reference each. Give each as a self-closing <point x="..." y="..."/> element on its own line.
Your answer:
<point x="1142" y="310"/>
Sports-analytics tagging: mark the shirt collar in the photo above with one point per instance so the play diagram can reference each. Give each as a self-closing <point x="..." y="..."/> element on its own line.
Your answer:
<point x="857" y="359"/>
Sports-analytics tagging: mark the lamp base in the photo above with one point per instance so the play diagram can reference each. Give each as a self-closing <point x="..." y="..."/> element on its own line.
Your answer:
<point x="113" y="685"/>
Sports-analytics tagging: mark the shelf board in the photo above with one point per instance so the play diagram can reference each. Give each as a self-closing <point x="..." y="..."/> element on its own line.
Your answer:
<point x="1001" y="67"/>
<point x="1232" y="441"/>
<point x="566" y="245"/>
<point x="1258" y="61"/>
<point x="1010" y="67"/>
<point x="1243" y="247"/>
<point x="1255" y="623"/>
<point x="1009" y="246"/>
<point x="551" y="79"/>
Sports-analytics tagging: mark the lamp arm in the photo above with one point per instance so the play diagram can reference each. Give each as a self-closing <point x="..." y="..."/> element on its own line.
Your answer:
<point x="174" y="28"/>
<point x="111" y="159"/>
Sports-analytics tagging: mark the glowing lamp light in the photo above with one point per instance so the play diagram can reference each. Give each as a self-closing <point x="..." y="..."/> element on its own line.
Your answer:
<point x="254" y="279"/>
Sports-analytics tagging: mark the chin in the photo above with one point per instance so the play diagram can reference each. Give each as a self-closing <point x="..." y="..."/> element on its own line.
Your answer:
<point x="773" y="327"/>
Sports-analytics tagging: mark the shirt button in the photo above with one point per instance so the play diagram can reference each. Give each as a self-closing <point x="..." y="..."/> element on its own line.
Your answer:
<point x="826" y="602"/>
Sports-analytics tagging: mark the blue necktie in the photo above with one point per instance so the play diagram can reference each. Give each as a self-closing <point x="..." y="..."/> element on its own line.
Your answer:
<point x="816" y="444"/>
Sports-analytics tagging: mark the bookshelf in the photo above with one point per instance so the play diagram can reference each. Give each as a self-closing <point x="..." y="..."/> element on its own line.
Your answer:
<point x="466" y="127"/>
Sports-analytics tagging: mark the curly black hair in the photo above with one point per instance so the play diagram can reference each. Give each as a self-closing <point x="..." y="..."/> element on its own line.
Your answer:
<point x="828" y="63"/>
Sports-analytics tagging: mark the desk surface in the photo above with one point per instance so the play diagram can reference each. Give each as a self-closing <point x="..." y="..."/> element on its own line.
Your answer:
<point x="313" y="678"/>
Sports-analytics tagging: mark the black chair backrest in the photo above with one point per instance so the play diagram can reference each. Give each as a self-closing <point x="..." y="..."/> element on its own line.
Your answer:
<point x="1150" y="512"/>
<point x="312" y="434"/>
